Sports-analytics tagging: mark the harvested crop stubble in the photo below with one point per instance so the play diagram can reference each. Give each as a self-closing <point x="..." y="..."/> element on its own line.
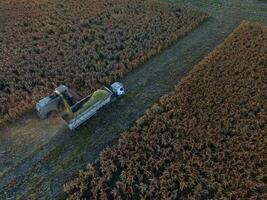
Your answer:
<point x="205" y="140"/>
<point x="83" y="44"/>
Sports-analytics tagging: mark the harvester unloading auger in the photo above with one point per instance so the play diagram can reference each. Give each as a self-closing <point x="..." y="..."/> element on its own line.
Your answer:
<point x="77" y="110"/>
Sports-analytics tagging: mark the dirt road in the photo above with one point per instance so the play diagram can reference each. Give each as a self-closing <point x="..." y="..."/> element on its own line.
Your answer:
<point x="38" y="156"/>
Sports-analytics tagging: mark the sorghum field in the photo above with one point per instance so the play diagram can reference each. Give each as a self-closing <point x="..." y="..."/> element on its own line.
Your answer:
<point x="82" y="44"/>
<point x="204" y="140"/>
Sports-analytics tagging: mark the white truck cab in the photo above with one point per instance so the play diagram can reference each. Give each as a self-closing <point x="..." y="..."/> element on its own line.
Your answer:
<point x="118" y="89"/>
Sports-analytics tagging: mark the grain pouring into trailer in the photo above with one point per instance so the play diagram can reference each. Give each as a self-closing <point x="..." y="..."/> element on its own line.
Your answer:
<point x="78" y="110"/>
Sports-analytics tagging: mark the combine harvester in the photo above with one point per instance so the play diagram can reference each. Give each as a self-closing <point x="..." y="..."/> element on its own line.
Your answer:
<point x="77" y="110"/>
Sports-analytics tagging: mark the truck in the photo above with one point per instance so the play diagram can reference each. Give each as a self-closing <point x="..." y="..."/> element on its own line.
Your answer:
<point x="75" y="110"/>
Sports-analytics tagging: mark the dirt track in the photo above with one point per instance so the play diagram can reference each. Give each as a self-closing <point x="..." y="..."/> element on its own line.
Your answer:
<point x="38" y="156"/>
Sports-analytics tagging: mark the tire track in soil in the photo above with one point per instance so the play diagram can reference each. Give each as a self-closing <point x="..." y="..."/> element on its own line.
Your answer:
<point x="44" y="170"/>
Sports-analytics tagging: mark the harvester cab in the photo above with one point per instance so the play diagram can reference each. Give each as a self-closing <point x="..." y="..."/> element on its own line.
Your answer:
<point x="52" y="103"/>
<point x="67" y="94"/>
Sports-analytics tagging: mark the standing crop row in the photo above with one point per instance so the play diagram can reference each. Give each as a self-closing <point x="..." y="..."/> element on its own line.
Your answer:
<point x="204" y="140"/>
<point x="81" y="44"/>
